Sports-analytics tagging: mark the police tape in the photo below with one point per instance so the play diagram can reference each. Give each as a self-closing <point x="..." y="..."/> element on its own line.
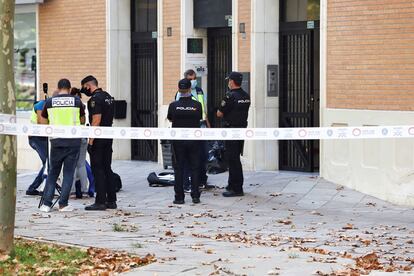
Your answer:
<point x="8" y="126"/>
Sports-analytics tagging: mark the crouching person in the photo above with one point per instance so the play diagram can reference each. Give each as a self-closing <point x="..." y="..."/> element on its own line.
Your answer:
<point x="62" y="110"/>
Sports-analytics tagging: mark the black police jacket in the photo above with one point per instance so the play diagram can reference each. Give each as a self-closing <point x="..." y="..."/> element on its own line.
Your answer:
<point x="185" y="113"/>
<point x="235" y="107"/>
<point x="101" y="103"/>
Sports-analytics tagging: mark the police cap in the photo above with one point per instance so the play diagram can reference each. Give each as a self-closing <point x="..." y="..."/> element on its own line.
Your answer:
<point x="236" y="76"/>
<point x="184" y="84"/>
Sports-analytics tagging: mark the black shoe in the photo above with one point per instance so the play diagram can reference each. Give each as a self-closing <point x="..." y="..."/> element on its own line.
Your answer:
<point x="232" y="194"/>
<point x="96" y="207"/>
<point x="179" y="202"/>
<point x="228" y="189"/>
<point x="111" y="205"/>
<point x="33" y="193"/>
<point x="196" y="200"/>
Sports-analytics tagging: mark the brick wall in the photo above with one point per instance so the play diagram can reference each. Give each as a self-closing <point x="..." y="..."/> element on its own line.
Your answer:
<point x="72" y="38"/>
<point x="244" y="11"/>
<point x="171" y="48"/>
<point x="370" y="54"/>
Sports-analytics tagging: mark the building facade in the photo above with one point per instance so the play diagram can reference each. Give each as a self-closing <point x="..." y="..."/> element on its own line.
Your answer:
<point x="306" y="63"/>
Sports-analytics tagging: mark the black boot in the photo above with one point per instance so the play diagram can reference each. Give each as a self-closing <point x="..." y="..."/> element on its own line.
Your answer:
<point x="196" y="200"/>
<point x="96" y="207"/>
<point x="232" y="194"/>
<point x="111" y="205"/>
<point x="179" y="201"/>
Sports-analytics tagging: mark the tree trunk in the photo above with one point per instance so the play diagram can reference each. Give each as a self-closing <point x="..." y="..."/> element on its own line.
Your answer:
<point x="8" y="148"/>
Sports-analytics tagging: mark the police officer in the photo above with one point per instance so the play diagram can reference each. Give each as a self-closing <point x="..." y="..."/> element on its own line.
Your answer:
<point x="186" y="113"/>
<point x="198" y="95"/>
<point x="62" y="110"/>
<point x="101" y="113"/>
<point x="234" y="110"/>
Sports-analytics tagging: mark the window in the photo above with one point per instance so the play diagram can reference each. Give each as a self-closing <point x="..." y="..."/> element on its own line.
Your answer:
<point x="299" y="10"/>
<point x="25" y="59"/>
<point x="145" y="16"/>
<point x="195" y="45"/>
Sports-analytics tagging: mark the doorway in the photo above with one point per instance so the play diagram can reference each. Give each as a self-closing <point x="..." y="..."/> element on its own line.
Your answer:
<point x="219" y="62"/>
<point x="144" y="90"/>
<point x="299" y="82"/>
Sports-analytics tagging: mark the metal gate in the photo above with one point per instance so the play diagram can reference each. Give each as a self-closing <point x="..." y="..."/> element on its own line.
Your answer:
<point x="299" y="93"/>
<point x="144" y="77"/>
<point x="219" y="66"/>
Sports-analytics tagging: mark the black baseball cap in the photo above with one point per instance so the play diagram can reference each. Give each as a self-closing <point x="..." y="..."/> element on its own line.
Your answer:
<point x="184" y="84"/>
<point x="236" y="76"/>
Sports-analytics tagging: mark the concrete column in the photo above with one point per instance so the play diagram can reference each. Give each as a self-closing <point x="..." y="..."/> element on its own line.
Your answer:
<point x="265" y="110"/>
<point x="118" y="65"/>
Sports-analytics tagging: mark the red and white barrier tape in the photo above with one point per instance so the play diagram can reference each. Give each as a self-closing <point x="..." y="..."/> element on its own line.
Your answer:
<point x="8" y="126"/>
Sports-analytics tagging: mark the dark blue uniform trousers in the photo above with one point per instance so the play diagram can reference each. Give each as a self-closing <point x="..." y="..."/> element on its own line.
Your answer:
<point x="186" y="153"/>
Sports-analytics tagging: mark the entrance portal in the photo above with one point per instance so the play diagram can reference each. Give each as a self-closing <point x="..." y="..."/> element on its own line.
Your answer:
<point x="144" y="90"/>
<point x="299" y="81"/>
<point x="219" y="66"/>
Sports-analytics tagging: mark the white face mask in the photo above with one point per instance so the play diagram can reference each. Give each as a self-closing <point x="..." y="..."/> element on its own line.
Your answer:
<point x="193" y="84"/>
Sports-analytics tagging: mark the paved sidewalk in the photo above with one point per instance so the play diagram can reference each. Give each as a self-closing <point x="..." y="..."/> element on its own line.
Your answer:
<point x="285" y="225"/>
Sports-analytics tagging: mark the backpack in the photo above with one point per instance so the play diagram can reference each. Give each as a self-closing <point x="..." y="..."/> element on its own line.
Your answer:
<point x="164" y="179"/>
<point x="116" y="180"/>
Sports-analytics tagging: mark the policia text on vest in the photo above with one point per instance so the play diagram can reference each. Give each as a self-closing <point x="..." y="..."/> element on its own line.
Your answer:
<point x="62" y="110"/>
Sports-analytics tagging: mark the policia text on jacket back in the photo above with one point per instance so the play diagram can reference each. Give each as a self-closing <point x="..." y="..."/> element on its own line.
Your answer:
<point x="235" y="110"/>
<point x="186" y="113"/>
<point x="101" y="113"/>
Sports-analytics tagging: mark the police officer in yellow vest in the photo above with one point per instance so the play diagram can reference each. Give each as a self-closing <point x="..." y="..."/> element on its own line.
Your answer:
<point x="62" y="110"/>
<point x="198" y="95"/>
<point x="39" y="144"/>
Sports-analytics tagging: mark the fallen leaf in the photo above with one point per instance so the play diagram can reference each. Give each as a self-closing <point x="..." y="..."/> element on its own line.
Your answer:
<point x="369" y="261"/>
<point x="348" y="226"/>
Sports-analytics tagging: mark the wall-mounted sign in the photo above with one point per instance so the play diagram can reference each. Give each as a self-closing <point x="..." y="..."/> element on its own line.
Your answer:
<point x="201" y="70"/>
<point x="229" y="20"/>
<point x="311" y="25"/>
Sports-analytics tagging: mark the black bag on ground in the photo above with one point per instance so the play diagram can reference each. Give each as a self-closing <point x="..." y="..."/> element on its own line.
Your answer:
<point x="216" y="162"/>
<point x="164" y="179"/>
<point x="117" y="181"/>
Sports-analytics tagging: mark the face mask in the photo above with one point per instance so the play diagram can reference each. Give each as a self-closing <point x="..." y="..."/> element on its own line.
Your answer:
<point x="86" y="91"/>
<point x="193" y="84"/>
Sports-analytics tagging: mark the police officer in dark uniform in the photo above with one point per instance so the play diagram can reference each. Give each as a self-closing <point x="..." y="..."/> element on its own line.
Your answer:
<point x="186" y="113"/>
<point x="101" y="113"/>
<point x="234" y="110"/>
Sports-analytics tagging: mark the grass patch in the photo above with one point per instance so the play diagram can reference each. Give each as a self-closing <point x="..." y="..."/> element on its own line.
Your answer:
<point x="137" y="245"/>
<point x="34" y="258"/>
<point x="37" y="258"/>
<point x="118" y="228"/>
<point x="124" y="228"/>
